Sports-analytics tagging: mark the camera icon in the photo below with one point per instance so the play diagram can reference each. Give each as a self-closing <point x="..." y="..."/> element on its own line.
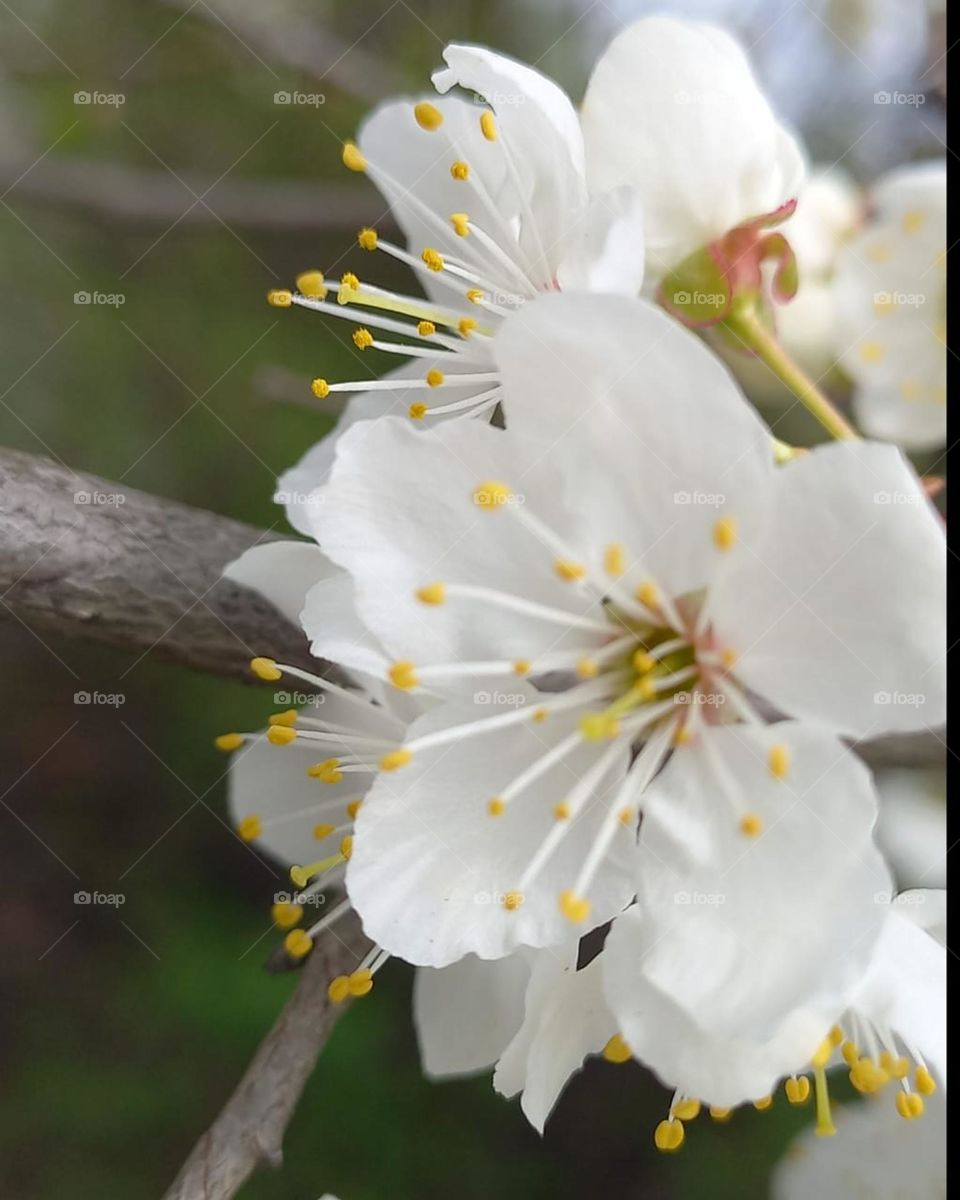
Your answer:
<point x="282" y="698"/>
<point x="882" y="97"/>
<point x="81" y="697"/>
<point x="81" y="297"/>
<point x="281" y="97"/>
<point x="81" y="897"/>
<point x="81" y="97"/>
<point x="81" y="497"/>
<point x="682" y="297"/>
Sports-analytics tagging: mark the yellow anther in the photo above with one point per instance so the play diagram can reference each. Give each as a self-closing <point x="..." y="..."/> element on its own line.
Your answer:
<point x="879" y="252"/>
<point x="361" y="982"/>
<point x="686" y="1110"/>
<point x="474" y="295"/>
<point x="626" y="816"/>
<point x="728" y="657"/>
<point x="561" y="811"/>
<point x="466" y="326"/>
<point x="433" y="259"/>
<point x="540" y="715"/>
<point x="512" y="901"/>
<point x="598" y="726"/>
<point x="867" y="1077"/>
<point x="617" y="1050"/>
<point x="488" y="126"/>
<point x="312" y="285"/>
<point x="362" y="339"/>
<point x="751" y="825"/>
<point x="250" y="828"/>
<point x="426" y="328"/>
<point x="837" y="1035"/>
<point x="871" y="352"/>
<point x="266" y="669"/>
<point x="460" y="170"/>
<point x="323" y="831"/>
<point x="285" y="915"/>
<point x="669" y="1135"/>
<point x="587" y="668"/>
<point x="909" y="1105"/>
<point x="279" y="298"/>
<point x="281" y="735"/>
<point x="460" y="223"/>
<point x="763" y="1103"/>
<point x="434" y="377"/>
<point x="725" y="533"/>
<point x="395" y="759"/>
<point x="353" y="160"/>
<point x="797" y="1089"/>
<point x="614" y="560"/>
<point x="228" y="741"/>
<point x="403" y="675"/>
<point x="346" y="847"/>
<point x="643" y="662"/>
<point x="575" y="908"/>
<point x="521" y="666"/>
<point x="913" y="220"/>
<point x="823" y="1053"/>
<point x="569" y="571"/>
<point x="720" y="1114"/>
<point x="682" y="736"/>
<point x="496" y="807"/>
<point x="339" y="989"/>
<point x="417" y="411"/>
<point x="298" y="943"/>
<point x="367" y="239"/>
<point x="353" y="808"/>
<point x="491" y="494"/>
<point x="287" y="717"/>
<point x="648" y="595"/>
<point x="320" y="388"/>
<point x="350" y="281"/>
<point x="327" y="771"/>
<point x="851" y="1053"/>
<point x="433" y="593"/>
<point x="647" y="689"/>
<point x="427" y="115"/>
<point x="925" y="1081"/>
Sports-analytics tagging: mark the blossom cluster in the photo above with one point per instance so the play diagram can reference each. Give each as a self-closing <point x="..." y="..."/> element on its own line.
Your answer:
<point x="602" y="641"/>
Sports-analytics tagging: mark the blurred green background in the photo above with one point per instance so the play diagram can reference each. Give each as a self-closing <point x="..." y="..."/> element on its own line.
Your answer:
<point x="125" y="1029"/>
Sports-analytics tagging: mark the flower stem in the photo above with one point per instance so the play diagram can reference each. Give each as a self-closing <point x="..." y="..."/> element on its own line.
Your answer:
<point x="744" y="323"/>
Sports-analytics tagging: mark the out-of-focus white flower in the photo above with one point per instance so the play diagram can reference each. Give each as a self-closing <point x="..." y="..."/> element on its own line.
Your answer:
<point x="890" y="304"/>
<point x="913" y="824"/>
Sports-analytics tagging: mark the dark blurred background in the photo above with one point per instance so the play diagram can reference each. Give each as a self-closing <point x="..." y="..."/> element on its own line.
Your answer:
<point x="146" y="163"/>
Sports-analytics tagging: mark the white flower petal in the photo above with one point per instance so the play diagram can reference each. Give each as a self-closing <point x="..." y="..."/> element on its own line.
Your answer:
<point x="836" y="610"/>
<point x="913" y="824"/>
<point x="606" y="251"/>
<point x="673" y="108"/>
<point x="282" y="572"/>
<point x="467" y="1013"/>
<point x="431" y="867"/>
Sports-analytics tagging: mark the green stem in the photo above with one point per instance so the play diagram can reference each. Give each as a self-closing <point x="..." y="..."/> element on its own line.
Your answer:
<point x="750" y="330"/>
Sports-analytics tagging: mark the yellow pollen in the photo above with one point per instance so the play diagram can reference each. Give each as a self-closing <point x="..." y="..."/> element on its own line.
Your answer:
<point x="466" y="325"/>
<point x="460" y="223"/>
<point x="433" y="593"/>
<point x="837" y="1035"/>
<point x="512" y="901"/>
<point x="720" y="1114"/>
<point x="367" y="239"/>
<point x="289" y="717"/>
<point x="427" y="115"/>
<point x="298" y="943"/>
<point x="617" y="1050"/>
<point x="778" y="760"/>
<point x="403" y="675"/>
<point x="614" y="560"/>
<point x="587" y="668"/>
<point x="540" y="715"/>
<point x="250" y="828"/>
<point x="228" y="741"/>
<point x="339" y="989"/>
<point x="643" y="662"/>
<point x="867" y="1077"/>
<point x="871" y="352"/>
<point x="266" y="669"/>
<point x="648" y="595"/>
<point x="496" y="807"/>
<point x="909" y="1105"/>
<point x="417" y="411"/>
<point x="682" y="736"/>
<point x="279" y="298"/>
<point x="763" y="1103"/>
<point x="751" y="825"/>
<point x="346" y="847"/>
<point x="395" y="759"/>
<point x="647" y="689"/>
<point x="879" y="252"/>
<point x="851" y="1053"/>
<point x="797" y="1089"/>
<point x="475" y="295"/>
<point x="488" y="126"/>
<point x="349" y="280"/>
<point x="925" y="1081"/>
<point x="285" y="915"/>
<point x="669" y="1135"/>
<point x="353" y="160"/>
<point x="323" y="831"/>
<point x="360" y="982"/>
<point x="311" y="284"/>
<point x="569" y="571"/>
<point x="281" y="735"/>
<point x="896" y="1068"/>
<point x="327" y="771"/>
<point x="460" y="170"/>
<point x="353" y="808"/>
<point x="433" y="259"/>
<point x="913" y="221"/>
<point x="725" y="533"/>
<point x="598" y="726"/>
<point x="362" y="339"/>
<point x="561" y="811"/>
<point x="426" y="328"/>
<point x="434" y="377"/>
<point x="686" y="1110"/>
<point x="626" y="816"/>
<point x="320" y="388"/>
<point x="729" y="658"/>
<point x="823" y="1053"/>
<point x="575" y="908"/>
<point x="491" y="494"/>
<point x="521" y="666"/>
